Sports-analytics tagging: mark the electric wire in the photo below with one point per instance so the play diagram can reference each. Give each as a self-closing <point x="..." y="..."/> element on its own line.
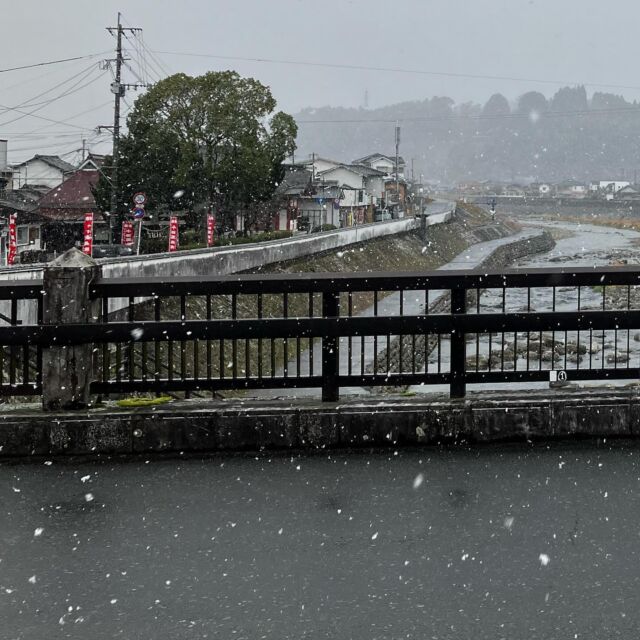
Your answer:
<point x="534" y="117"/>
<point x="50" y="62"/>
<point x="357" y="67"/>
<point x="75" y="88"/>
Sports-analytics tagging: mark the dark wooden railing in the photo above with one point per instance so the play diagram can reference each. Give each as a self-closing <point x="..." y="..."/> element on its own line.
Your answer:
<point x="330" y="331"/>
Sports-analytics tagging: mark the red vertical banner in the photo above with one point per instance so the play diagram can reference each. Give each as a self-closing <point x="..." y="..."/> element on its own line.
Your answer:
<point x="87" y="243"/>
<point x="173" y="233"/>
<point x="13" y="239"/>
<point x="128" y="233"/>
<point x="211" y="229"/>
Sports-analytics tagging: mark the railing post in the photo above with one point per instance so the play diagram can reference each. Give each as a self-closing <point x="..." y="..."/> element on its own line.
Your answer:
<point x="67" y="370"/>
<point x="330" y="353"/>
<point x="458" y="346"/>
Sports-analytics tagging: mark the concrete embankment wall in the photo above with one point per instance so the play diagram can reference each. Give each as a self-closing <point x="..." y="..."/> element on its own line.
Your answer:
<point x="502" y="256"/>
<point x="507" y="254"/>
<point x="233" y="259"/>
<point x="197" y="427"/>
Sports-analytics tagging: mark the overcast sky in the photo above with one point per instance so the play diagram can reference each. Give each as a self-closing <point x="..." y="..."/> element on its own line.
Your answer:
<point x="528" y="41"/>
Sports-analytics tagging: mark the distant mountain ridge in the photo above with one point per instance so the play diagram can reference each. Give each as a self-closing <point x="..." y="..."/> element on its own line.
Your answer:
<point x="537" y="139"/>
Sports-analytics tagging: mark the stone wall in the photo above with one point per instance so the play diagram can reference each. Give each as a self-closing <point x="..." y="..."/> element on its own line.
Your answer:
<point x="502" y="256"/>
<point x="507" y="254"/>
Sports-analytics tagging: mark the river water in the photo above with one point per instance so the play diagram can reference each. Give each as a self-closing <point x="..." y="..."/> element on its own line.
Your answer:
<point x="538" y="543"/>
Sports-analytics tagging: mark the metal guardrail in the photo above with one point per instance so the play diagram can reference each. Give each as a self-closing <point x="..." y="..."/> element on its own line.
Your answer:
<point x="330" y="331"/>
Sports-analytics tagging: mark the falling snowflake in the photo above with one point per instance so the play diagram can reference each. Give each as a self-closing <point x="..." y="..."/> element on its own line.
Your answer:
<point x="418" y="480"/>
<point x="38" y="532"/>
<point x="544" y="559"/>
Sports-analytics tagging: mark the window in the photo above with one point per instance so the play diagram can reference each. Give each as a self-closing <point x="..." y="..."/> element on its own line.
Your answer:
<point x="23" y="234"/>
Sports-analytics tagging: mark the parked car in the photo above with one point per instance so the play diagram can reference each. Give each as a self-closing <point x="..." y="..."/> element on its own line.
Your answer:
<point x="383" y="215"/>
<point x="111" y="250"/>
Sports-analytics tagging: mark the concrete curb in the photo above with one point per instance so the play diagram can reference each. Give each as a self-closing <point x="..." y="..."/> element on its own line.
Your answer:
<point x="232" y="426"/>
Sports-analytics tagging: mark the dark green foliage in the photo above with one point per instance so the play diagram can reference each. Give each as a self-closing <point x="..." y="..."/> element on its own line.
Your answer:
<point x="212" y="141"/>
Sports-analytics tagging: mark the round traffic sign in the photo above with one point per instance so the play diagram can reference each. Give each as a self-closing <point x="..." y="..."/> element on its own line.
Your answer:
<point x="138" y="212"/>
<point x="140" y="198"/>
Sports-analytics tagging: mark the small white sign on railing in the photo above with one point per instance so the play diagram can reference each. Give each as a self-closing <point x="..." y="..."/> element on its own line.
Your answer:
<point x="558" y="376"/>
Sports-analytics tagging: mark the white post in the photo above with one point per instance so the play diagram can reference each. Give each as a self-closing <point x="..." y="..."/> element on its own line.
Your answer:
<point x="139" y="236"/>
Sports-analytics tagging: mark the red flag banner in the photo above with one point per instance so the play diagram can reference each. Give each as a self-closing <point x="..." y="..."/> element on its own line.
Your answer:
<point x="211" y="228"/>
<point x="128" y="233"/>
<point x="13" y="239"/>
<point x="173" y="233"/>
<point x="87" y="244"/>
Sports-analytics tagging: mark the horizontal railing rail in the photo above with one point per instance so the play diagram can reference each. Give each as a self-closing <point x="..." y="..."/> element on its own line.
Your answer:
<point x="254" y="328"/>
<point x="366" y="281"/>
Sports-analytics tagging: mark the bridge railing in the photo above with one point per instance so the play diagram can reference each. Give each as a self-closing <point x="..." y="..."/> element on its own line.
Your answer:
<point x="331" y="331"/>
<point x="20" y="358"/>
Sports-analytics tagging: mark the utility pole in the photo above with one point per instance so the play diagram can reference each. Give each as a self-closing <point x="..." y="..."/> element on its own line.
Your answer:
<point x="118" y="88"/>
<point x="397" y="163"/>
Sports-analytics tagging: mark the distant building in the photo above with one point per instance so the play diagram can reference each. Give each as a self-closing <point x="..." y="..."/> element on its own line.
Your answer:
<point x="6" y="173"/>
<point x="572" y="189"/>
<point x="73" y="198"/>
<point x="49" y="171"/>
<point x="93" y="162"/>
<point x="630" y="192"/>
<point x="316" y="164"/>
<point x="514" y="191"/>
<point x="612" y="186"/>
<point x="62" y="211"/>
<point x="383" y="163"/>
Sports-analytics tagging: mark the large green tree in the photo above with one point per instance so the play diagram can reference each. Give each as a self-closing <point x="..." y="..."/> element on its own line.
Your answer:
<point x="196" y="142"/>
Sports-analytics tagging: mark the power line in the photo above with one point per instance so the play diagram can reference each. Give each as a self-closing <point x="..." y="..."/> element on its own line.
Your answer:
<point x="454" y="116"/>
<point x="73" y="89"/>
<point x="29" y="103"/>
<point x="49" y="62"/>
<point x="357" y="67"/>
<point x="26" y="113"/>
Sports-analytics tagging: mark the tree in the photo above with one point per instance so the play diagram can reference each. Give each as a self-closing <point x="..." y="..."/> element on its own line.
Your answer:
<point x="496" y="105"/>
<point x="200" y="142"/>
<point x="532" y="102"/>
<point x="570" y="99"/>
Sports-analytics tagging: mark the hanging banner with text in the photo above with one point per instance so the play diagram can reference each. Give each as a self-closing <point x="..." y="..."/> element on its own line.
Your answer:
<point x="87" y="243"/>
<point x="13" y="239"/>
<point x="211" y="228"/>
<point x="128" y="233"/>
<point x="173" y="233"/>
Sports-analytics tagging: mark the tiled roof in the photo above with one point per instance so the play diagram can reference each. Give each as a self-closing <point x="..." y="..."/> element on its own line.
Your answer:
<point x="54" y="161"/>
<point x="73" y="193"/>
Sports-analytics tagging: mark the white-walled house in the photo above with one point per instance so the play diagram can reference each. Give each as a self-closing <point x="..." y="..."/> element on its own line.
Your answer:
<point x="572" y="189"/>
<point x="384" y="164"/>
<point x="612" y="186"/>
<point x="317" y="165"/>
<point x="370" y="181"/>
<point x="48" y="171"/>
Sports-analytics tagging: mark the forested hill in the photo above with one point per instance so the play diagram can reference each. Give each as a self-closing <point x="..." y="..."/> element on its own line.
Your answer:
<point x="567" y="136"/>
